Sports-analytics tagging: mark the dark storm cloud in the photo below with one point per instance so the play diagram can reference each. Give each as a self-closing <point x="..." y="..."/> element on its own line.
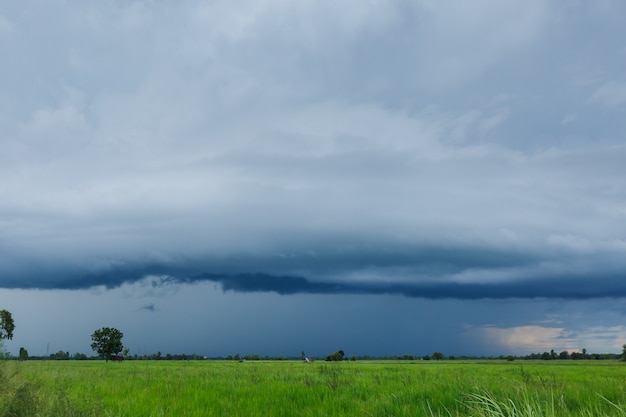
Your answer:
<point x="422" y="272"/>
<point x="330" y="259"/>
<point x="565" y="287"/>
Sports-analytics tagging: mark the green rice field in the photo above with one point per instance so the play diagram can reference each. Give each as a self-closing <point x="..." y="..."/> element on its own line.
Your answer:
<point x="291" y="388"/>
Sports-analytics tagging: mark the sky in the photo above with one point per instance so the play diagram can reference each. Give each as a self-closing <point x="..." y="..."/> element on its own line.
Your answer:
<point x="270" y="177"/>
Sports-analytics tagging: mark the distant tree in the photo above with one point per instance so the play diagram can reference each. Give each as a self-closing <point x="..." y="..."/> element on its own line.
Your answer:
<point x="253" y="357"/>
<point x="60" y="355"/>
<point x="335" y="357"/>
<point x="6" y="325"/>
<point x="624" y="353"/>
<point x="107" y="342"/>
<point x="510" y="358"/>
<point x="564" y="355"/>
<point x="23" y="354"/>
<point x="437" y="356"/>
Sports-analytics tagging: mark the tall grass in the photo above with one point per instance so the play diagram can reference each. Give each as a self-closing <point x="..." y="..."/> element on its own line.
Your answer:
<point x="226" y="388"/>
<point x="20" y="397"/>
<point x="485" y="405"/>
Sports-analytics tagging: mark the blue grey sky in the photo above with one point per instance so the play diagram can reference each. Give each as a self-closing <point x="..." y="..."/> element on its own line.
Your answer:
<point x="382" y="177"/>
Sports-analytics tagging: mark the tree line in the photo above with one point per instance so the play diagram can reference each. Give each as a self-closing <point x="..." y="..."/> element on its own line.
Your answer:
<point x="107" y="342"/>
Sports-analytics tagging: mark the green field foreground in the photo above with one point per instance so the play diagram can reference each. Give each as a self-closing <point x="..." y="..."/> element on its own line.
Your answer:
<point x="290" y="388"/>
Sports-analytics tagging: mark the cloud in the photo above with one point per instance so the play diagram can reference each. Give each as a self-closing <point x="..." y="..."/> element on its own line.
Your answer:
<point x="572" y="243"/>
<point x="464" y="41"/>
<point x="564" y="287"/>
<point x="148" y="307"/>
<point x="5" y="25"/>
<point x="529" y="338"/>
<point x="397" y="142"/>
<point x="474" y="222"/>
<point x="542" y="338"/>
<point x="418" y="272"/>
<point x="611" y="94"/>
<point x="419" y="166"/>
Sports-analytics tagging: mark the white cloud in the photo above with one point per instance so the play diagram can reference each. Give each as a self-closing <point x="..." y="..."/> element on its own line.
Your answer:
<point x="611" y="94"/>
<point x="527" y="339"/>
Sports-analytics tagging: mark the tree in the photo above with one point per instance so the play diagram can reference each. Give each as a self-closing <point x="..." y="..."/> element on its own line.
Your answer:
<point x="335" y="357"/>
<point x="23" y="354"/>
<point x="437" y="356"/>
<point x="107" y="342"/>
<point x="624" y="352"/>
<point x="576" y="355"/>
<point x="60" y="355"/>
<point x="6" y="325"/>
